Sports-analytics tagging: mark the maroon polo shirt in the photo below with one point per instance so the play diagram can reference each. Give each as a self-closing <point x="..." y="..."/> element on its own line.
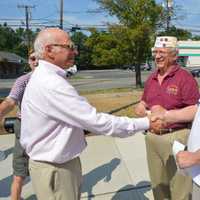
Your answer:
<point x="178" y="89"/>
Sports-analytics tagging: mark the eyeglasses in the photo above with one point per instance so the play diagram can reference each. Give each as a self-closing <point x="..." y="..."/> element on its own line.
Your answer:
<point x="32" y="58"/>
<point x="161" y="53"/>
<point x="70" y="46"/>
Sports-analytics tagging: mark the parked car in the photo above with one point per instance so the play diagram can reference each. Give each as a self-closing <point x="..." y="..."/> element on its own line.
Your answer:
<point x="145" y="66"/>
<point x="195" y="72"/>
<point x="129" y="67"/>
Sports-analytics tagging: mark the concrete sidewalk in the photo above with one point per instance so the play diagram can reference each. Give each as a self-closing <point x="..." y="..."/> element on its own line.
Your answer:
<point x="113" y="168"/>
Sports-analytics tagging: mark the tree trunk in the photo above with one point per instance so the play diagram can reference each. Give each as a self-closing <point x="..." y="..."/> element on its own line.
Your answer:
<point x="138" y="76"/>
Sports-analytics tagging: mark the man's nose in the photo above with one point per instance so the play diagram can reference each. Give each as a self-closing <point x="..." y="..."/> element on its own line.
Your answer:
<point x="157" y="55"/>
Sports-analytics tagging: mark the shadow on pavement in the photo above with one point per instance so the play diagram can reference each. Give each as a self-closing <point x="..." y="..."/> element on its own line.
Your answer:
<point x="103" y="172"/>
<point x="5" y="185"/>
<point x="8" y="151"/>
<point x="4" y="154"/>
<point x="130" y="192"/>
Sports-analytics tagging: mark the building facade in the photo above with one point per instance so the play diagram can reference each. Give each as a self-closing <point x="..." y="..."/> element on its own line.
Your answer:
<point x="189" y="53"/>
<point x="11" y="65"/>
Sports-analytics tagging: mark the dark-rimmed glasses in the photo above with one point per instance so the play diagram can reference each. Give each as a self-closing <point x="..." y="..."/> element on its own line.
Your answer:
<point x="70" y="46"/>
<point x="32" y="58"/>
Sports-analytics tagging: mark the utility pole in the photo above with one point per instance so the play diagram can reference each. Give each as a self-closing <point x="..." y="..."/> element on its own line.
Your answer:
<point x="61" y="14"/>
<point x="27" y="16"/>
<point x="169" y="12"/>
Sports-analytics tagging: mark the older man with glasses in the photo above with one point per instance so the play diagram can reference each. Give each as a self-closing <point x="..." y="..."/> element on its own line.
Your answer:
<point x="169" y="87"/>
<point x="54" y="117"/>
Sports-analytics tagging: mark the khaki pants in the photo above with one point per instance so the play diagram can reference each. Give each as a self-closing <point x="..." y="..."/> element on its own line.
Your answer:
<point x="167" y="183"/>
<point x="56" y="181"/>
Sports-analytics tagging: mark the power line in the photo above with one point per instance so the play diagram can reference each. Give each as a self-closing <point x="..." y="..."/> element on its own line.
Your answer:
<point x="96" y="11"/>
<point x="28" y="17"/>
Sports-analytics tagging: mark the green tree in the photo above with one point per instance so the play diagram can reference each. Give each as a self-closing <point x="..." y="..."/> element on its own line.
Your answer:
<point x="15" y="41"/>
<point x="83" y="58"/>
<point x="196" y="37"/>
<point x="138" y="20"/>
<point x="103" y="48"/>
<point x="8" y="38"/>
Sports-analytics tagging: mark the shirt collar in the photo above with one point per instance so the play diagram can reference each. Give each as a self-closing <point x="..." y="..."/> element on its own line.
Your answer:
<point x="52" y="67"/>
<point x="174" y="68"/>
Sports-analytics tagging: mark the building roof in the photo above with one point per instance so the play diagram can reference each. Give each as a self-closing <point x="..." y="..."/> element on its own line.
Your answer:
<point x="11" y="57"/>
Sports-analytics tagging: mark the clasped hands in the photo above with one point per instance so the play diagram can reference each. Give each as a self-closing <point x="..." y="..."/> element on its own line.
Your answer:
<point x="157" y="119"/>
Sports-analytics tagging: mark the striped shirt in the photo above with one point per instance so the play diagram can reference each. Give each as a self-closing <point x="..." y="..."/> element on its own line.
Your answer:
<point x="18" y="89"/>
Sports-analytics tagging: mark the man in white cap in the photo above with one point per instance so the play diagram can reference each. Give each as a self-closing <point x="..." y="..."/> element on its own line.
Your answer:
<point x="169" y="87"/>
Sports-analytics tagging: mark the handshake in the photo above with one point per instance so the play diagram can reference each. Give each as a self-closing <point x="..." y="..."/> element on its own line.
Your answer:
<point x="157" y="118"/>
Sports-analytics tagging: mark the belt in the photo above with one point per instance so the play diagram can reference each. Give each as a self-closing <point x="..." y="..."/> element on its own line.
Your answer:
<point x="169" y="130"/>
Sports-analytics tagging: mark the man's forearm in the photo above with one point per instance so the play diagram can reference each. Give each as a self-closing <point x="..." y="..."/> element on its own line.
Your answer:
<point x="182" y="115"/>
<point x="140" y="109"/>
<point x="6" y="106"/>
<point x="197" y="155"/>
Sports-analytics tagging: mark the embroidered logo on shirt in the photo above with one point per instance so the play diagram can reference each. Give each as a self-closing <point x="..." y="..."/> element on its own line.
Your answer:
<point x="172" y="89"/>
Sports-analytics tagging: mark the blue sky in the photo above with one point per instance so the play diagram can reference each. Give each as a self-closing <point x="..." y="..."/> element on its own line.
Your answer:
<point x="76" y="12"/>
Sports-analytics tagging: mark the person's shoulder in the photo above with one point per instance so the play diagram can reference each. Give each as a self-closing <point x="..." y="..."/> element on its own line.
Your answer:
<point x="152" y="75"/>
<point x="184" y="72"/>
<point x="24" y="76"/>
<point x="23" y="79"/>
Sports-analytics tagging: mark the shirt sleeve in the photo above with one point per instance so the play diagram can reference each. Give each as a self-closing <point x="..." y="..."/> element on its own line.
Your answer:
<point x="190" y="91"/>
<point x="67" y="106"/>
<point x="18" y="89"/>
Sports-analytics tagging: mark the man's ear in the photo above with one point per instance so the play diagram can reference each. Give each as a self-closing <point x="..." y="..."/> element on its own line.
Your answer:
<point x="49" y="51"/>
<point x="48" y="48"/>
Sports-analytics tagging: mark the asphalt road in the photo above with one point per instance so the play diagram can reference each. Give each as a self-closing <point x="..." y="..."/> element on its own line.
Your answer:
<point x="105" y="79"/>
<point x="92" y="80"/>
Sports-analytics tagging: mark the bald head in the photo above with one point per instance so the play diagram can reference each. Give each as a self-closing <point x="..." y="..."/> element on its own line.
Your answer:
<point x="46" y="37"/>
<point x="55" y="46"/>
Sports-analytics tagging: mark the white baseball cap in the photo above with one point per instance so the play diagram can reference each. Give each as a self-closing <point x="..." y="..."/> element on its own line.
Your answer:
<point x="165" y="42"/>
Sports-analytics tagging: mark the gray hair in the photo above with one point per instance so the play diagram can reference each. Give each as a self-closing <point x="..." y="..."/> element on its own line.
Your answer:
<point x="174" y="50"/>
<point x="43" y="38"/>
